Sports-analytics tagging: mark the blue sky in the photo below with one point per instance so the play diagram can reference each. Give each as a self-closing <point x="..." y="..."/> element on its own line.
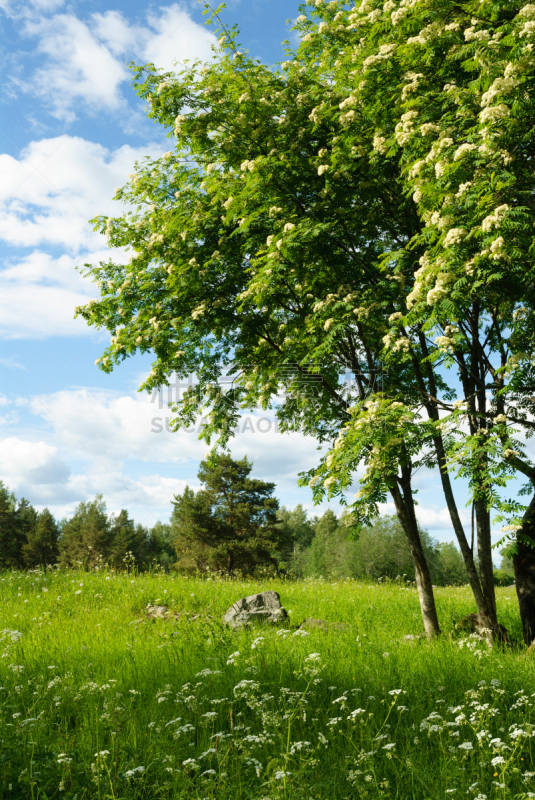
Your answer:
<point x="71" y="129"/>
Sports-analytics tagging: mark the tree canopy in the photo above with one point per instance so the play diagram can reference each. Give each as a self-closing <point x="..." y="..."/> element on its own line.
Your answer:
<point x="231" y="523"/>
<point x="368" y="205"/>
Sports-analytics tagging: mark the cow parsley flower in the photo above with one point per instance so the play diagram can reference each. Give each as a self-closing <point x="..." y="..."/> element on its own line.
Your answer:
<point x="132" y="773"/>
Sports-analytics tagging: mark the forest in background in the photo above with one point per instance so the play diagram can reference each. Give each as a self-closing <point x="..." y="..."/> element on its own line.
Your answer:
<point x="308" y="546"/>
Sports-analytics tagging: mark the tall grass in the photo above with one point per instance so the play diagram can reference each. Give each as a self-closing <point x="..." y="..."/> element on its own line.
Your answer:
<point x="97" y="701"/>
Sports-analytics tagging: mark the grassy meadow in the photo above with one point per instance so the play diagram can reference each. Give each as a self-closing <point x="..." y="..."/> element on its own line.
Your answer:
<point x="97" y="701"/>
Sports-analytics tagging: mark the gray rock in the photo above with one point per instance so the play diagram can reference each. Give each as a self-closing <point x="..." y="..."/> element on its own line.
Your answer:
<point x="322" y="624"/>
<point x="263" y="607"/>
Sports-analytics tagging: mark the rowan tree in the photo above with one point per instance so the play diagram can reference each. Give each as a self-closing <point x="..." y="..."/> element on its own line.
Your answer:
<point x="458" y="122"/>
<point x="250" y="257"/>
<point x="342" y="210"/>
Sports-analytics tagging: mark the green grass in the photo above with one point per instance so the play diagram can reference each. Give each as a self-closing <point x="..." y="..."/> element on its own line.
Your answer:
<point x="172" y="715"/>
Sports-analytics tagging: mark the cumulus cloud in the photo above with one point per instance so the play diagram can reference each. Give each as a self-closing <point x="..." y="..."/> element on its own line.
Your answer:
<point x="84" y="61"/>
<point x="108" y="434"/>
<point x="57" y="185"/>
<point x="50" y="193"/>
<point x="89" y="442"/>
<point x="174" y="37"/>
<point x="13" y="8"/>
<point x="76" y="66"/>
<point x="38" y="471"/>
<point x="114" y="427"/>
<point x="51" y="288"/>
<point x="26" y="463"/>
<point x="147" y="497"/>
<point x="439" y="518"/>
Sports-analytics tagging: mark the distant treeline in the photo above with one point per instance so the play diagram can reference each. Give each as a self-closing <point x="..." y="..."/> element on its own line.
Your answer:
<point x="30" y="539"/>
<point x="381" y="551"/>
<point x="313" y="547"/>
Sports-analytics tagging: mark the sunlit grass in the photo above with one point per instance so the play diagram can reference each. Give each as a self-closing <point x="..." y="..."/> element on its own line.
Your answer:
<point x="187" y="708"/>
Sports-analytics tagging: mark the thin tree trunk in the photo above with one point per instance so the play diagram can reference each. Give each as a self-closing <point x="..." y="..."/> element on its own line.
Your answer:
<point x="405" y="510"/>
<point x="486" y="567"/>
<point x="466" y="550"/>
<point x="430" y="402"/>
<point x="524" y="567"/>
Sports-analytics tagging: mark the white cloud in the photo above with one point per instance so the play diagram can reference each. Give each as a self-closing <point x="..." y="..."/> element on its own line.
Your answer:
<point x="114" y="31"/>
<point x="85" y="61"/>
<point x="108" y="434"/>
<point x="47" y="5"/>
<point x="147" y="497"/>
<point x="76" y="66"/>
<point x="91" y="441"/>
<point x="439" y="518"/>
<point x="36" y="312"/>
<point x="38" y="295"/>
<point x="37" y="471"/>
<point x="175" y="37"/>
<point x="51" y="192"/>
<point x="112" y="428"/>
<point x="10" y="363"/>
<point x="432" y="517"/>
<point x="57" y="185"/>
<point x="13" y="8"/>
<point x="26" y="463"/>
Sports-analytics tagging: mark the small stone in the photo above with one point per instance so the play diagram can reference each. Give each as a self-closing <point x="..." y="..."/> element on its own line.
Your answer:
<point x="262" y="607"/>
<point x="157" y="612"/>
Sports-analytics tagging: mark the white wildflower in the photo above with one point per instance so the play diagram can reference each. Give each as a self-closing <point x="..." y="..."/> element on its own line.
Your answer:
<point x="131" y="773"/>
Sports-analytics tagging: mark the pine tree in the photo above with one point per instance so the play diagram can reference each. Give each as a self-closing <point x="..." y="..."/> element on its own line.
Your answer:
<point x="12" y="537"/>
<point x="41" y="549"/>
<point x="85" y="538"/>
<point x="231" y="524"/>
<point x="127" y="542"/>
